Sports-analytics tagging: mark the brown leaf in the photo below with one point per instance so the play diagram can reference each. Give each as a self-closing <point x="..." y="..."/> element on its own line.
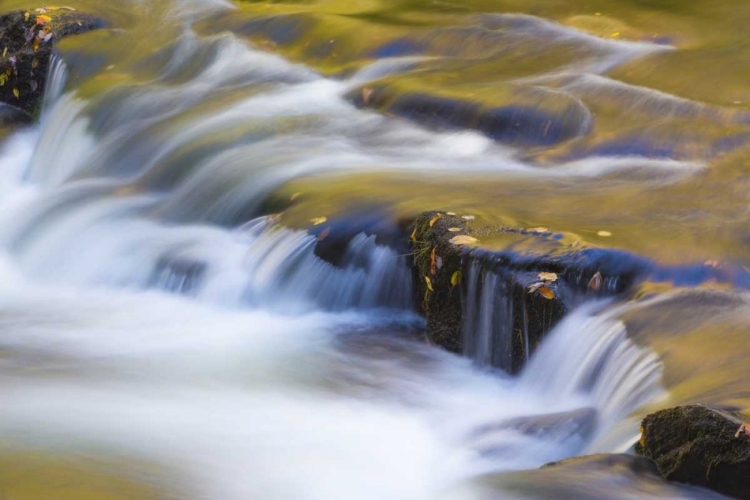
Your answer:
<point x="435" y="219"/>
<point x="596" y="282"/>
<point x="740" y="431"/>
<point x="414" y="235"/>
<point x="433" y="262"/>
<point x="366" y="94"/>
<point x="324" y="234"/>
<point x="546" y="292"/>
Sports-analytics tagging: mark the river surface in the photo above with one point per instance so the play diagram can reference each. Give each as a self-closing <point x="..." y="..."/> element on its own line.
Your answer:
<point x="168" y="331"/>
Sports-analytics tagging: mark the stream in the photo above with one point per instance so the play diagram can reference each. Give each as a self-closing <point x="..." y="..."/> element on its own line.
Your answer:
<point x="169" y="330"/>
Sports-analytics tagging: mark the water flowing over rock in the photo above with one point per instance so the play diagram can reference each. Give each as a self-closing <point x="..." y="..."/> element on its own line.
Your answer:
<point x="27" y="39"/>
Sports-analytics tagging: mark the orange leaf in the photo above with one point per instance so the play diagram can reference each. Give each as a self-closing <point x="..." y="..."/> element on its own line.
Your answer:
<point x="433" y="262"/>
<point x="546" y="292"/>
<point x="435" y="219"/>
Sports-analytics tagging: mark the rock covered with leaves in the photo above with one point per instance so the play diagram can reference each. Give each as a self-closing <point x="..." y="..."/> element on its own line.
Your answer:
<point x="27" y="39"/>
<point x="443" y="245"/>
<point x="701" y="446"/>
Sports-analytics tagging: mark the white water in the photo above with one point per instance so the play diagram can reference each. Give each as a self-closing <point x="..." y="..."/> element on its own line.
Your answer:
<point x="132" y="326"/>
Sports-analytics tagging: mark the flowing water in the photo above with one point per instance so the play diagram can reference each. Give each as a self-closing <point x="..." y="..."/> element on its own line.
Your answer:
<point x="169" y="329"/>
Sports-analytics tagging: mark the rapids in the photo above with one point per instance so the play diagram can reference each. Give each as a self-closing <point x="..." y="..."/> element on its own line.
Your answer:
<point x="161" y="322"/>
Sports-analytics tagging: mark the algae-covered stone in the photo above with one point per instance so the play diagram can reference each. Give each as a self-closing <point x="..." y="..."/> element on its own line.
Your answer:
<point x="27" y="39"/>
<point x="701" y="446"/>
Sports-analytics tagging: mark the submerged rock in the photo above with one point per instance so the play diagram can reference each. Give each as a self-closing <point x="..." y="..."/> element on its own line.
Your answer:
<point x="701" y="446"/>
<point x="27" y="39"/>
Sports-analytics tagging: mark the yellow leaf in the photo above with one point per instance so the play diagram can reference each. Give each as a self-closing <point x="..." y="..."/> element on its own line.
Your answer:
<point x="26" y="16"/>
<point x="450" y="213"/>
<point x="295" y="196"/>
<point x="5" y="52"/>
<point x="596" y="282"/>
<point x="546" y="292"/>
<point x="43" y="19"/>
<point x="463" y="239"/>
<point x="604" y="234"/>
<point x="615" y="34"/>
<point x="414" y="235"/>
<point x="429" y="283"/>
<point x="538" y="230"/>
<point x="435" y="219"/>
<point x="550" y="277"/>
<point x="318" y="220"/>
<point x="456" y="278"/>
<point x="454" y="229"/>
<point x="3" y="79"/>
<point x="16" y="93"/>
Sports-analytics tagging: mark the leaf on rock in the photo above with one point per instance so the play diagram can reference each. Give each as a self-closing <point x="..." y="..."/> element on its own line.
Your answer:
<point x="295" y="196"/>
<point x="550" y="277"/>
<point x="456" y="278"/>
<point x="468" y="217"/>
<point x="463" y="239"/>
<point x="546" y="292"/>
<point x="43" y="19"/>
<point x="596" y="282"/>
<point x="435" y="219"/>
<point x="604" y="234"/>
<point x="454" y="229"/>
<point x="429" y="283"/>
<point x="16" y="93"/>
<point x="318" y="220"/>
<point x="433" y="262"/>
<point x="538" y="230"/>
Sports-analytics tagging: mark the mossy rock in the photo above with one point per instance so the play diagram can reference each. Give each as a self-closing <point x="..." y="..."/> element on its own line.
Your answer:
<point x="700" y="446"/>
<point x="441" y="264"/>
<point x="27" y="39"/>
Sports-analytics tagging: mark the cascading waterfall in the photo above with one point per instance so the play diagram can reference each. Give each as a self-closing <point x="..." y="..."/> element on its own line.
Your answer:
<point x="149" y="313"/>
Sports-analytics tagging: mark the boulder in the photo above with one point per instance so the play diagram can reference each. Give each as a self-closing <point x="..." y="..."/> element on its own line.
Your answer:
<point x="27" y="39"/>
<point x="701" y="446"/>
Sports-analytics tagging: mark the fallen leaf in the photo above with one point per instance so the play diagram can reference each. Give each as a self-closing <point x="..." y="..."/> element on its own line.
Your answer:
<point x="456" y="278"/>
<point x="366" y="94"/>
<point x="596" y="282"/>
<point x="433" y="262"/>
<point x="435" y="219"/>
<point x="468" y="217"/>
<point x="546" y="292"/>
<point x="550" y="277"/>
<point x="740" y="431"/>
<point x="318" y="220"/>
<point x="454" y="229"/>
<point x="575" y="244"/>
<point x="429" y="283"/>
<point x="3" y="79"/>
<point x="26" y="16"/>
<point x="604" y="234"/>
<point x="539" y="230"/>
<point x="463" y="239"/>
<point x="295" y="196"/>
<point x="414" y="235"/>
<point x="5" y="52"/>
<point x="324" y="234"/>
<point x="536" y="286"/>
<point x="43" y="19"/>
<point x="16" y="93"/>
<point x="451" y="213"/>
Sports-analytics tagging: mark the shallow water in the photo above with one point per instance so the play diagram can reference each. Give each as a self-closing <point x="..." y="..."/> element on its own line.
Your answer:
<point x="166" y="332"/>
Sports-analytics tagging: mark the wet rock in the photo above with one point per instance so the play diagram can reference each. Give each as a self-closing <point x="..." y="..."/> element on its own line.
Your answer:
<point x="27" y="39"/>
<point x="700" y="446"/>
<point x="535" y="120"/>
<point x="449" y="289"/>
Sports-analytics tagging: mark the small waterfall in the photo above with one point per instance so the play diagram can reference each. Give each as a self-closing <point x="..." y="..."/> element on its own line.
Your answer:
<point x="58" y="76"/>
<point x="487" y="328"/>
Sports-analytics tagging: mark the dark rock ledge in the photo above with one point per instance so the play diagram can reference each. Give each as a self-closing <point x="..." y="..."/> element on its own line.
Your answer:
<point x="27" y="40"/>
<point x="700" y="446"/>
